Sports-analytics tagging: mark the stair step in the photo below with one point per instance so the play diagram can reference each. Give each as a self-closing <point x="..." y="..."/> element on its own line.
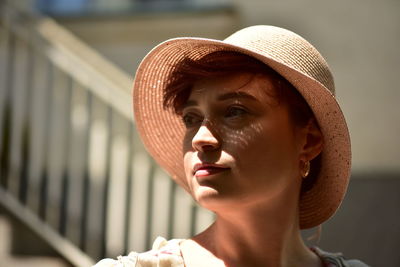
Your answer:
<point x="8" y="260"/>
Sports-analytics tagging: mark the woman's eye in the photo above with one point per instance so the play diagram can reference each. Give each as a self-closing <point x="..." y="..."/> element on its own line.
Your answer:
<point x="191" y="119"/>
<point x="235" y="111"/>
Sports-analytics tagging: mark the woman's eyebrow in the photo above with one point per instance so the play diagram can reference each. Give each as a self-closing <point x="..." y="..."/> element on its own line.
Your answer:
<point x="189" y="103"/>
<point x="239" y="94"/>
<point x="223" y="97"/>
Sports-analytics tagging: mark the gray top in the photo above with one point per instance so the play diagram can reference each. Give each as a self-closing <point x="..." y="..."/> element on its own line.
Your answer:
<point x="337" y="259"/>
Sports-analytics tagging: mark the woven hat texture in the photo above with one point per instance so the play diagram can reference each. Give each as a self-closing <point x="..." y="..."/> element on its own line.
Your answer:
<point x="288" y="54"/>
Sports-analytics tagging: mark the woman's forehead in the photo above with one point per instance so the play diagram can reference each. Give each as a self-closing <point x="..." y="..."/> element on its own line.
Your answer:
<point x="256" y="84"/>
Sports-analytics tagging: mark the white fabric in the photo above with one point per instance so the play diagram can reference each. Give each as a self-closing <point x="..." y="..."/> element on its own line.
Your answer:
<point x="163" y="254"/>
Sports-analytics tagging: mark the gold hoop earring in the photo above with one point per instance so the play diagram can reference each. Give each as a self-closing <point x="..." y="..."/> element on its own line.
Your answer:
<point x="306" y="169"/>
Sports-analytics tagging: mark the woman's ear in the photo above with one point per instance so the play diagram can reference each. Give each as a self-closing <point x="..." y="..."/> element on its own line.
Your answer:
<point x="312" y="141"/>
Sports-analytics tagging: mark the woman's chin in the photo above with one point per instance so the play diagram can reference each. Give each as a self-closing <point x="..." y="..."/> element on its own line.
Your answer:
<point x="205" y="195"/>
<point x="204" y="192"/>
<point x="210" y="198"/>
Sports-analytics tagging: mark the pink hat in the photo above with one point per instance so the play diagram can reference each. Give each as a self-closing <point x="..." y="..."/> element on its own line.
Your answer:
<point x="288" y="54"/>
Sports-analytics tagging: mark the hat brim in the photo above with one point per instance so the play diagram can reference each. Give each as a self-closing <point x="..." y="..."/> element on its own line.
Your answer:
<point x="162" y="131"/>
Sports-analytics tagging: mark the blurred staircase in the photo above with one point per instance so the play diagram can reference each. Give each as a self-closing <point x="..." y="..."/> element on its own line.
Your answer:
<point x="9" y="259"/>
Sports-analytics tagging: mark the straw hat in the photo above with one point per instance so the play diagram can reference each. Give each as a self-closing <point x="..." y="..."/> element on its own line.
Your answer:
<point x="289" y="55"/>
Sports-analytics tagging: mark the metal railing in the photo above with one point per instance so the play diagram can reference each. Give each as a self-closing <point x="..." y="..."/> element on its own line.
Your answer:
<point x="71" y="165"/>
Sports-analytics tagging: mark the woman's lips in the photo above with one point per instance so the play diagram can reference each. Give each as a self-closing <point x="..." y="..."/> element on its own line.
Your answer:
<point x="202" y="170"/>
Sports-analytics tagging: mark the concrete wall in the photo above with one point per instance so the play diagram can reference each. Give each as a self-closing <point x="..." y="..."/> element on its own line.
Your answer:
<point x="366" y="226"/>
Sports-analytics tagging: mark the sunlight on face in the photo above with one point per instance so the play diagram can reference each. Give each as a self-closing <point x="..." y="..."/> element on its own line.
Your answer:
<point x="240" y="145"/>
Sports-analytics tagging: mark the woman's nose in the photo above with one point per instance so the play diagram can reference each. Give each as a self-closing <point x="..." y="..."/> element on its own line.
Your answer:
<point x="205" y="139"/>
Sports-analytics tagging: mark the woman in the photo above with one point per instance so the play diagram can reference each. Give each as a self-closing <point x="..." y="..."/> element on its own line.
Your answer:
<point x="250" y="127"/>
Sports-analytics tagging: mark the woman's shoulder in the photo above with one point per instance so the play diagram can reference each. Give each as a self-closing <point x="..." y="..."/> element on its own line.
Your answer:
<point x="163" y="254"/>
<point x="337" y="259"/>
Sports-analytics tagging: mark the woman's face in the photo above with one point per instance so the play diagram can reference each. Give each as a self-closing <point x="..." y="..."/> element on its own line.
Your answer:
<point x="241" y="146"/>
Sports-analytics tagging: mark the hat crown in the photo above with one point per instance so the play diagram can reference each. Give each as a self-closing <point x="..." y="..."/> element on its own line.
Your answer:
<point x="285" y="47"/>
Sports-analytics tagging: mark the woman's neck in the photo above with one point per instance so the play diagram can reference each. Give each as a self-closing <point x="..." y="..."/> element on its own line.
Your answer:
<point x="258" y="237"/>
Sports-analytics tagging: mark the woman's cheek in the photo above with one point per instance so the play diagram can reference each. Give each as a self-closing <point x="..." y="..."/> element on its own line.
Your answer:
<point x="187" y="165"/>
<point x="240" y="140"/>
